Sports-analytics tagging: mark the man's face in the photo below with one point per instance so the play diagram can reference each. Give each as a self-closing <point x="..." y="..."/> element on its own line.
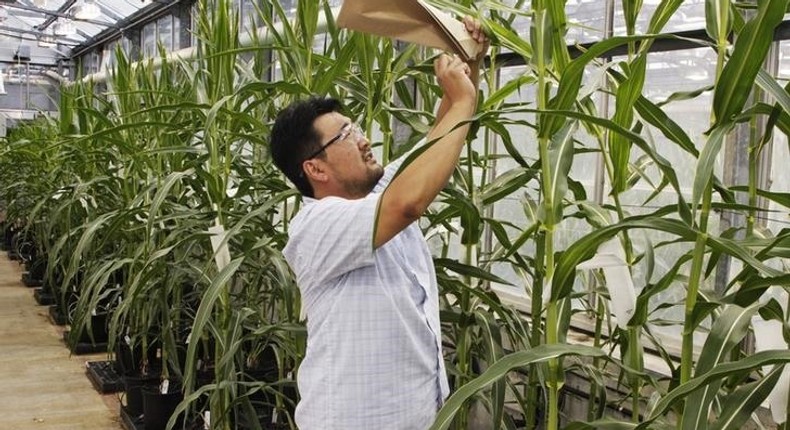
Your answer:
<point x="349" y="159"/>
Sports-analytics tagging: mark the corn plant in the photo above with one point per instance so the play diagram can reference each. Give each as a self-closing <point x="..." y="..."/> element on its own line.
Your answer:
<point x="159" y="200"/>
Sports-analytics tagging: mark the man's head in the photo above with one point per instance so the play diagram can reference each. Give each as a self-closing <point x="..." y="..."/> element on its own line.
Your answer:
<point x="322" y="152"/>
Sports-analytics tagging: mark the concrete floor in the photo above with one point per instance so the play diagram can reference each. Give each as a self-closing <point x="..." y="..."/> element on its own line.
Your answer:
<point x="42" y="386"/>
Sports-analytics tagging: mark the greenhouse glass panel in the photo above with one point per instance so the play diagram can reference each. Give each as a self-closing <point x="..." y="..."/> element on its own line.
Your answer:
<point x="248" y="16"/>
<point x="669" y="73"/>
<point x="165" y="32"/>
<point x="690" y="15"/>
<point x="177" y="34"/>
<point x="149" y="40"/>
<point x="586" y="20"/>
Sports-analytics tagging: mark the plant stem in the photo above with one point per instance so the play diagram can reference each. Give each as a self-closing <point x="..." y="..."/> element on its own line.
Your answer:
<point x="754" y="155"/>
<point x="592" y="409"/>
<point x="530" y="415"/>
<point x="463" y="348"/>
<point x="541" y="31"/>
<point x="695" y="276"/>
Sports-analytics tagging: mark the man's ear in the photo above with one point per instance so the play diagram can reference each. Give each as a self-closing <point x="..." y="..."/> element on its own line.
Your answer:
<point x="314" y="170"/>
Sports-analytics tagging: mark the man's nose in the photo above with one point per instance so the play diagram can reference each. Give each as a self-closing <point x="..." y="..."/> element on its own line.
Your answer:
<point x="363" y="142"/>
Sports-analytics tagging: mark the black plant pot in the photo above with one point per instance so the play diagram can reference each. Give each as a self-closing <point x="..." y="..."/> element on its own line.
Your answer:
<point x="98" y="332"/>
<point x="37" y="267"/>
<point x="8" y="233"/>
<point x="133" y="386"/>
<point x="12" y="251"/>
<point x="158" y="407"/>
<point x="129" y="360"/>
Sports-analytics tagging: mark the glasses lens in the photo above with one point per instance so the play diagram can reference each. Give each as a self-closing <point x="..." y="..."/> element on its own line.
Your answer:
<point x="354" y="132"/>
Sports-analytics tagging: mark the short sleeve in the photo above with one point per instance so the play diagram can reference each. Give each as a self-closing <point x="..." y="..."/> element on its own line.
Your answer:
<point x="331" y="237"/>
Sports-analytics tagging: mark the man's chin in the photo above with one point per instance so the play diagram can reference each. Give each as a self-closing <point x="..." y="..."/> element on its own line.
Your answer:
<point x="379" y="171"/>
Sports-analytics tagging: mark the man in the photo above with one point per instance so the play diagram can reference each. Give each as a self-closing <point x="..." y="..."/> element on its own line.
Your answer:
<point x="374" y="357"/>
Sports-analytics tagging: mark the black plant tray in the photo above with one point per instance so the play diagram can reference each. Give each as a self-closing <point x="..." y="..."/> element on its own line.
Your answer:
<point x="104" y="377"/>
<point x="13" y="255"/>
<point x="85" y="347"/>
<point x="30" y="282"/>
<point x="56" y="316"/>
<point x="137" y="423"/>
<point x="131" y="423"/>
<point x="43" y="298"/>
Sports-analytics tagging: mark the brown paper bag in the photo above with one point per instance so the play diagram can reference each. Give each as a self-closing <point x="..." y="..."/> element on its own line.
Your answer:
<point x="410" y="21"/>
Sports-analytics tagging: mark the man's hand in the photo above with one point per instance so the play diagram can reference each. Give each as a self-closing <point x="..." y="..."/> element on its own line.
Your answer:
<point x="475" y="29"/>
<point x="454" y="79"/>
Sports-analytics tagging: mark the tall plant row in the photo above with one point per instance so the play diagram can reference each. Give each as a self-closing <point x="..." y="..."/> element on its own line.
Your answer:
<point x="151" y="199"/>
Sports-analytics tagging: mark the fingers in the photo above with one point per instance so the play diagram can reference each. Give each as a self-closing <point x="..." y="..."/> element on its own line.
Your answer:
<point x="475" y="28"/>
<point x="446" y="63"/>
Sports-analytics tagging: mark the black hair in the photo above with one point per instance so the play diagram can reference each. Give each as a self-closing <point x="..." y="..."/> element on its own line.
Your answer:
<point x="294" y="137"/>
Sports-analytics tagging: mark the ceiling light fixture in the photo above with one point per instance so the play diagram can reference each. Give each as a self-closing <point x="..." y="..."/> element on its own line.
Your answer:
<point x="40" y="3"/>
<point x="64" y="28"/>
<point x="86" y="10"/>
<point x="46" y="41"/>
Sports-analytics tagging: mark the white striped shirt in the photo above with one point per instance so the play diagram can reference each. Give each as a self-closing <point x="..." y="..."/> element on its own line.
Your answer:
<point x="374" y="358"/>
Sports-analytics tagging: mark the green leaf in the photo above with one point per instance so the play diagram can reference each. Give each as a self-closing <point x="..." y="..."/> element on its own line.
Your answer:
<point x="769" y="85"/>
<point x="203" y="315"/>
<point x="741" y="403"/>
<point x="584" y="248"/>
<point x="606" y="424"/>
<point x="717" y="23"/>
<point x="467" y="270"/>
<point x="570" y="80"/>
<point x="560" y="161"/>
<point x="656" y="117"/>
<point x="628" y="91"/>
<point x="505" y="184"/>
<point x="751" y="47"/>
<point x="735" y="369"/>
<point x="780" y="198"/>
<point x="727" y="331"/>
<point x="707" y="161"/>
<point x="501" y="368"/>
<point x="665" y="10"/>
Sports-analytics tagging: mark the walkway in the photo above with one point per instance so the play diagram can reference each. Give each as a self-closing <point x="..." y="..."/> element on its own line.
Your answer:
<point x="41" y="385"/>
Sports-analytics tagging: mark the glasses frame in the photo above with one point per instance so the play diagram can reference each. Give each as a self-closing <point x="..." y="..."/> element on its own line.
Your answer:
<point x="347" y="130"/>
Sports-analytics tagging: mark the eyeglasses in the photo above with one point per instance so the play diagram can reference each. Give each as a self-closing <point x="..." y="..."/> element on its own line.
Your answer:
<point x="349" y="130"/>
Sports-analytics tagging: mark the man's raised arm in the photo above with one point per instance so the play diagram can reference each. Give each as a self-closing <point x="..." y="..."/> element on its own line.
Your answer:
<point x="408" y="196"/>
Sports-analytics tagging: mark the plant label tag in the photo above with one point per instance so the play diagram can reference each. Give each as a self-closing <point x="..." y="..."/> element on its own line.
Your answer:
<point x="768" y="336"/>
<point x="207" y="420"/>
<point x="127" y="339"/>
<point x="610" y="257"/>
<point x="165" y="386"/>
<point x="93" y="312"/>
<point x="219" y="246"/>
<point x="274" y="415"/>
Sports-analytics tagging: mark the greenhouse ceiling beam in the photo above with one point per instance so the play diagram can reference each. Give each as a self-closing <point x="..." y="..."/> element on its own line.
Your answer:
<point x="73" y="42"/>
<point x="141" y="16"/>
<point x="54" y="15"/>
<point x="61" y="10"/>
<point x="109" y="12"/>
<point x="262" y="36"/>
